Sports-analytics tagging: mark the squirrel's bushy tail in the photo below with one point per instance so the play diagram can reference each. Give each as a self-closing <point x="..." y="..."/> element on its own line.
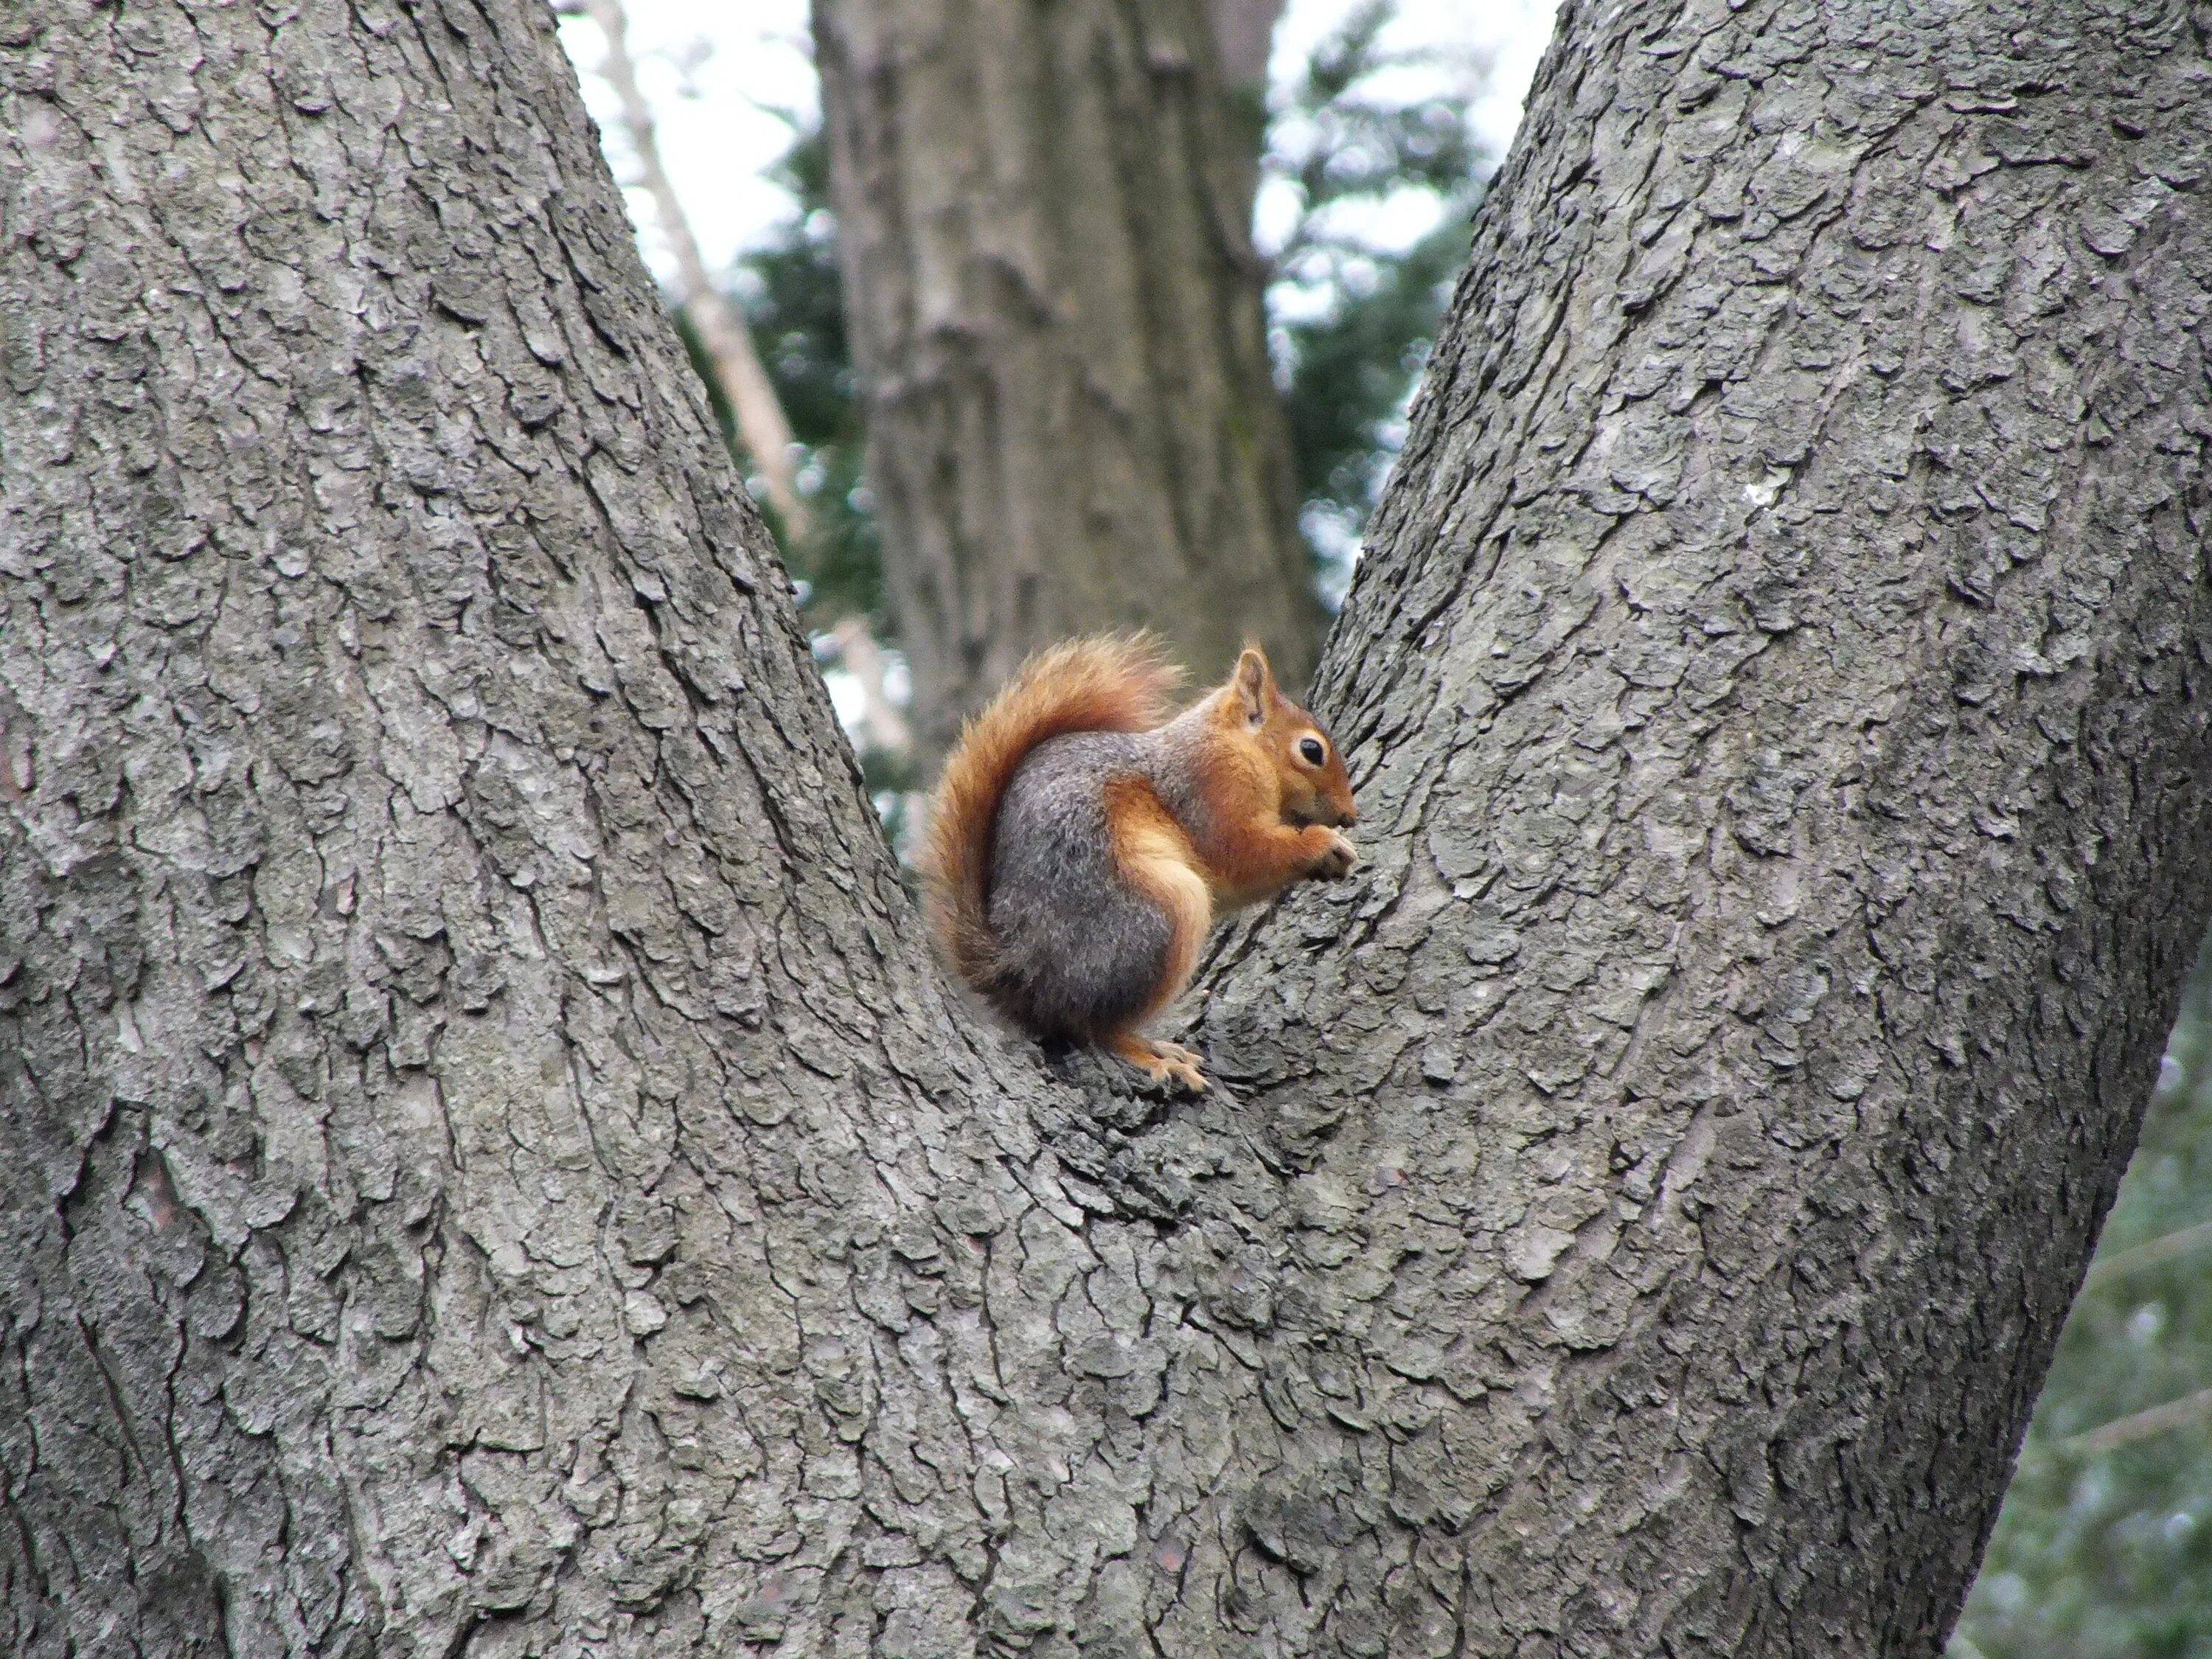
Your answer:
<point x="1115" y="683"/>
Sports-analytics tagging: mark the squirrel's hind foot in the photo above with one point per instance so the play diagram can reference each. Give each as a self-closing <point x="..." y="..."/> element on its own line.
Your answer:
<point x="1189" y="1057"/>
<point x="1158" y="1060"/>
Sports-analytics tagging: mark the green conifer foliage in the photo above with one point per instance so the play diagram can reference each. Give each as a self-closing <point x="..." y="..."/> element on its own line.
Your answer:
<point x="1353" y="313"/>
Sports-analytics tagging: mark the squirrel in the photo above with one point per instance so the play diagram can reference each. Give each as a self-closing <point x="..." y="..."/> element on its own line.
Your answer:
<point x="1083" y="838"/>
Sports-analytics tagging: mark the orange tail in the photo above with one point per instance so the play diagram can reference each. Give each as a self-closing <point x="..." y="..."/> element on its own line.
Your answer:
<point x="1108" y="683"/>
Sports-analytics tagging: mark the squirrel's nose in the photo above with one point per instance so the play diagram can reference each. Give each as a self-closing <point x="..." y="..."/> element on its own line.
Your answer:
<point x="1351" y="816"/>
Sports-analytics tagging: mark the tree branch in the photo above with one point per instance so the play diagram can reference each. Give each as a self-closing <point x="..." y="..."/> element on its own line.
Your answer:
<point x="2106" y="1268"/>
<point x="882" y="723"/>
<point x="2139" y="1426"/>
<point x="763" y="427"/>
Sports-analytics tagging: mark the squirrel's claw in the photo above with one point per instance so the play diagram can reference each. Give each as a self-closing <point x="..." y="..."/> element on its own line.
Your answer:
<point x="1160" y="1061"/>
<point x="1337" y="857"/>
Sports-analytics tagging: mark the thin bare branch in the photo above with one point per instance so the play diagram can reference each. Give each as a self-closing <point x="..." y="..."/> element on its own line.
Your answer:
<point x="762" y="428"/>
<point x="882" y="723"/>
<point x="2139" y="1426"/>
<point x="2106" y="1268"/>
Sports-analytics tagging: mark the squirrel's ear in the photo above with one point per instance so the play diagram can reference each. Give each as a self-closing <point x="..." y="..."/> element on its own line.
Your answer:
<point x="1254" y="682"/>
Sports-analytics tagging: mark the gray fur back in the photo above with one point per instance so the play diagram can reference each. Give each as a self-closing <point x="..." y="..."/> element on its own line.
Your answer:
<point x="1080" y="950"/>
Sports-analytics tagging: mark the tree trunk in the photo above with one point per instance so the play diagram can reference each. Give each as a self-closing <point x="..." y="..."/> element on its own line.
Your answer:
<point x="1044" y="221"/>
<point x="1244" y="38"/>
<point x="1778" y="690"/>
<point x="493" y="1173"/>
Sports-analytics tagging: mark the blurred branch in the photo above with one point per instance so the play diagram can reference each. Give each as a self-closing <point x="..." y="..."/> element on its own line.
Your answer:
<point x="763" y="427"/>
<point x="2106" y="1268"/>
<point x="2139" y="1426"/>
<point x="882" y="725"/>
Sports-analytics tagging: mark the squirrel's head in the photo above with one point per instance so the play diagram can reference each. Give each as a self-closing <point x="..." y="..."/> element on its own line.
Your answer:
<point x="1314" y="789"/>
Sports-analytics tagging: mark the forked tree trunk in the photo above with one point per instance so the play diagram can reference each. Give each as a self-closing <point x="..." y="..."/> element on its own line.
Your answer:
<point x="490" y="1169"/>
<point x="1044" y="221"/>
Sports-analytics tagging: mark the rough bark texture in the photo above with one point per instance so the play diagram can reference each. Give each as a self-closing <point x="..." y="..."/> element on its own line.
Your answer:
<point x="1779" y="688"/>
<point x="1043" y="221"/>
<point x="437" y="907"/>
<point x="491" y="1173"/>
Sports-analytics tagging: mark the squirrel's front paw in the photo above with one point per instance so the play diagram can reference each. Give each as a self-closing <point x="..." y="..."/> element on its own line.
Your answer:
<point x="1335" y="858"/>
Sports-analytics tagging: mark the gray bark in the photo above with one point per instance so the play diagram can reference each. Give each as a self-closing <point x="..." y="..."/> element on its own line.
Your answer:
<point x="490" y="1170"/>
<point x="437" y="910"/>
<point x="1779" y="690"/>
<point x="1243" y="36"/>
<point x="1043" y="223"/>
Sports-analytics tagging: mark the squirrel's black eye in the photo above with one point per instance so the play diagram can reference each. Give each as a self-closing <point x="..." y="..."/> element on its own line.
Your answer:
<point x="1311" y="749"/>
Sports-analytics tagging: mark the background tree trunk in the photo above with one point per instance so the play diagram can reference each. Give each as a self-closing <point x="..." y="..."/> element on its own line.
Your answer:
<point x="491" y="1171"/>
<point x="1243" y="37"/>
<point x="1044" y="224"/>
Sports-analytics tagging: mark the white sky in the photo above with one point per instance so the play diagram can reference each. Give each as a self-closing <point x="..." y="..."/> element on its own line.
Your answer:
<point x="716" y="73"/>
